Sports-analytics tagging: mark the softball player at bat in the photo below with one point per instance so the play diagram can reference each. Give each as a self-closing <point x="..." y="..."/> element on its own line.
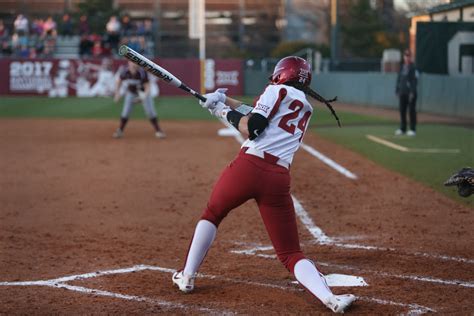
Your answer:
<point x="275" y="129"/>
<point x="137" y="89"/>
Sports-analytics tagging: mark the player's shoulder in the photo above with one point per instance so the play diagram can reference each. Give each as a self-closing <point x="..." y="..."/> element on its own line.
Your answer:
<point x="275" y="90"/>
<point x="281" y="89"/>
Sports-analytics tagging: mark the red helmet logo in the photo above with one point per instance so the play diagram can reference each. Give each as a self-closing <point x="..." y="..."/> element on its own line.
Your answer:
<point x="292" y="69"/>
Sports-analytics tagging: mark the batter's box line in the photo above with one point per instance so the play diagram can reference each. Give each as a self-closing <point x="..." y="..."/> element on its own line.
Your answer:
<point x="255" y="249"/>
<point x="414" y="309"/>
<point x="61" y="283"/>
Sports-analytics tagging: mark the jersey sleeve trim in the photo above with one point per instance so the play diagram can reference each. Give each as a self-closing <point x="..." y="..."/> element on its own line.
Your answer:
<point x="281" y="95"/>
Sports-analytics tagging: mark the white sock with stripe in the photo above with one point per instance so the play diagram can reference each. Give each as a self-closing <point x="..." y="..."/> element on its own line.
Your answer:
<point x="308" y="275"/>
<point x="203" y="237"/>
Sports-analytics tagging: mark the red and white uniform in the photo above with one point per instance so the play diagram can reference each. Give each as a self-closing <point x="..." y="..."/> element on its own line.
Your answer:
<point x="261" y="171"/>
<point x="288" y="113"/>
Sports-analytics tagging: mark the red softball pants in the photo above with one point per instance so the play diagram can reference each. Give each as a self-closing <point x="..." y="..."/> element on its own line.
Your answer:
<point x="250" y="177"/>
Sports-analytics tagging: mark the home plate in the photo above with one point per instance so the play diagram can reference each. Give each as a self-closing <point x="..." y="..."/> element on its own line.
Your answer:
<point x="343" y="280"/>
<point x="228" y="132"/>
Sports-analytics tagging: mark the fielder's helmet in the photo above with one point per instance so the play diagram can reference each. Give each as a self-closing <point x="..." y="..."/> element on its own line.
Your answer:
<point x="292" y="69"/>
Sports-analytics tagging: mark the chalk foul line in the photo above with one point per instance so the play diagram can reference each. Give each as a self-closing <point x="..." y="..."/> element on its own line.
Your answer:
<point x="412" y="150"/>
<point x="231" y="131"/>
<point x="59" y="283"/>
<point x="322" y="239"/>
<point x="256" y="251"/>
<point x="328" y="161"/>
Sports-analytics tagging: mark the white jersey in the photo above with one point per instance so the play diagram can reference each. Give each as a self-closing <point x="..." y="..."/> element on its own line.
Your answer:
<point x="288" y="113"/>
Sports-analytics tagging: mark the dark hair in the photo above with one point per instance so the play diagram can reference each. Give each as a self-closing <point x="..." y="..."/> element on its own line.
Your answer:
<point x="308" y="91"/>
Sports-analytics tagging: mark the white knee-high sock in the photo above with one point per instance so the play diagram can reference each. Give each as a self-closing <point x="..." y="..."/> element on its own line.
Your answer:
<point x="308" y="275"/>
<point x="203" y="237"/>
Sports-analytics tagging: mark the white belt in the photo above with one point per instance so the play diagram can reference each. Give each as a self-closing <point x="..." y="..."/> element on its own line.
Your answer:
<point x="255" y="152"/>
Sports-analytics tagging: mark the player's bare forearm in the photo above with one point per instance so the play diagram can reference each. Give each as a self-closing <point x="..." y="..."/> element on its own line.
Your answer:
<point x="244" y="125"/>
<point x="233" y="103"/>
<point x="118" y="84"/>
<point x="147" y="88"/>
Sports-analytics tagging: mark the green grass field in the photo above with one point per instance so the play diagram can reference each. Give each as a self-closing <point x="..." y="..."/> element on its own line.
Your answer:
<point x="431" y="169"/>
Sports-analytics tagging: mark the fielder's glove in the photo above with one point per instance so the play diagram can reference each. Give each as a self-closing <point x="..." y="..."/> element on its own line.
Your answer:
<point x="464" y="180"/>
<point x="142" y="95"/>
<point x="213" y="98"/>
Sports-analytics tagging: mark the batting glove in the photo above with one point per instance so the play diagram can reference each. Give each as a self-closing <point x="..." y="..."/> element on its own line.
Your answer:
<point x="219" y="110"/>
<point x="213" y="98"/>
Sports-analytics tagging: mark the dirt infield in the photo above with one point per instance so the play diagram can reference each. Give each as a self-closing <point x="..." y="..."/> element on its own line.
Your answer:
<point x="75" y="201"/>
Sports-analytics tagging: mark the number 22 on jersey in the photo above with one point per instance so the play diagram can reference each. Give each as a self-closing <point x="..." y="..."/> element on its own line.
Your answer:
<point x="297" y="106"/>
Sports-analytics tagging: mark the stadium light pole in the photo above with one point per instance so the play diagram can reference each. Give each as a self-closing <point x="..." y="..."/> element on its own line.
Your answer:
<point x="334" y="32"/>
<point x="202" y="26"/>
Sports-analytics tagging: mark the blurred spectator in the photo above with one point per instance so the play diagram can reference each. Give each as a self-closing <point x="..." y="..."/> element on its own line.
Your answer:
<point x="23" y="52"/>
<point x="37" y="27"/>
<point x="140" y="26"/>
<point x="6" y="48"/>
<point x="19" y="40"/>
<point x="66" y="25"/>
<point x="49" y="27"/>
<point x="33" y="53"/>
<point x="3" y="31"/>
<point x="134" y="44"/>
<point x="97" y="49"/>
<point x="127" y="26"/>
<point x="148" y="26"/>
<point x="48" y="51"/>
<point x="84" y="25"/>
<point x="21" y="25"/>
<point x="106" y="49"/>
<point x="142" y="41"/>
<point x="113" y="32"/>
<point x="85" y="46"/>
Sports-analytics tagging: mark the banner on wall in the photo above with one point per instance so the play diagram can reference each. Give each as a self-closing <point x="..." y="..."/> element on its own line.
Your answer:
<point x="95" y="78"/>
<point x="445" y="47"/>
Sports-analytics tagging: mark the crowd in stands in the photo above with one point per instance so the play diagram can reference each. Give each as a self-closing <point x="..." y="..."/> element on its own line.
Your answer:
<point x="135" y="34"/>
<point x="28" y="39"/>
<point x="37" y="37"/>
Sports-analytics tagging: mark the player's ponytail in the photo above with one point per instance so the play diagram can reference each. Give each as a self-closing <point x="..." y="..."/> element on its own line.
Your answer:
<point x="307" y="90"/>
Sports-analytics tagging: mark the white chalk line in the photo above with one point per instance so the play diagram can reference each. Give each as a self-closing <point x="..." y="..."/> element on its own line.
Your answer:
<point x="412" y="150"/>
<point x="328" y="161"/>
<point x="415" y="309"/>
<point x="58" y="283"/>
<point x="253" y="251"/>
<point x="322" y="239"/>
<point x="325" y="159"/>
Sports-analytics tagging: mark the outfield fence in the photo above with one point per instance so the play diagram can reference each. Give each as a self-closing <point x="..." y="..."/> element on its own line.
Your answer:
<point x="439" y="94"/>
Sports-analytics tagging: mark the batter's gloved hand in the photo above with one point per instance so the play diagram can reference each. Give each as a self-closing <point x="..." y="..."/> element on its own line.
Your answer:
<point x="213" y="98"/>
<point x="219" y="110"/>
<point x="464" y="180"/>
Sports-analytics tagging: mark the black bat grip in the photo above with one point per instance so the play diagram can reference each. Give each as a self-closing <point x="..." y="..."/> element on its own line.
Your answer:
<point x="194" y="93"/>
<point x="200" y="97"/>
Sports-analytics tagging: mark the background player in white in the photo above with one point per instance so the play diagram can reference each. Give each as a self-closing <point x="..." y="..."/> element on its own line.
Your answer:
<point x="137" y="87"/>
<point x="275" y="129"/>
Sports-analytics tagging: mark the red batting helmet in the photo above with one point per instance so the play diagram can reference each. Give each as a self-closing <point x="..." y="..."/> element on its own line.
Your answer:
<point x="292" y="69"/>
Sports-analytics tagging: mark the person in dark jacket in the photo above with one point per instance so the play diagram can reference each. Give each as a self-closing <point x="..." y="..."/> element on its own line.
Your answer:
<point x="406" y="91"/>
